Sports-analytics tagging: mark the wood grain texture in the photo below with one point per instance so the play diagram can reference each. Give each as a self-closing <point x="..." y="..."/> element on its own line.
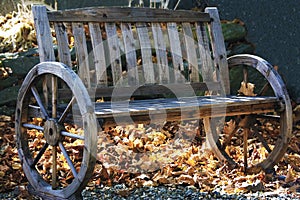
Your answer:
<point x="178" y="109"/>
<point x="161" y="54"/>
<point x="44" y="37"/>
<point x="165" y="90"/>
<point x="190" y="48"/>
<point x="99" y="54"/>
<point x="62" y="42"/>
<point x="114" y="53"/>
<point x="207" y="68"/>
<point x="125" y="14"/>
<point x="130" y="53"/>
<point x="145" y="45"/>
<point x="176" y="52"/>
<point x="82" y="53"/>
<point x="218" y="48"/>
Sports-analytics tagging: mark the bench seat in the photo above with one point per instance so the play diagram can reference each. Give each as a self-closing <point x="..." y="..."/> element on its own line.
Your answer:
<point x="173" y="109"/>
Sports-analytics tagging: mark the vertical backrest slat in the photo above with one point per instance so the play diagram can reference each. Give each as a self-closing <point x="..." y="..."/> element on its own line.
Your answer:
<point x="82" y="53"/>
<point x="62" y="42"/>
<point x="43" y="32"/>
<point x="131" y="59"/>
<point x="175" y="50"/>
<point x="161" y="53"/>
<point x="205" y="55"/>
<point x="99" y="54"/>
<point x="191" y="52"/>
<point x="114" y="52"/>
<point x="218" y="48"/>
<point x="148" y="69"/>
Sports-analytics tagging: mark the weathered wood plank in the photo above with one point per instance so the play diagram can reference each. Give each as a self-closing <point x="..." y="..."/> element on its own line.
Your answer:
<point x="99" y="54"/>
<point x="190" y="48"/>
<point x="161" y="53"/>
<point x="184" y="108"/>
<point x="81" y="53"/>
<point x="218" y="48"/>
<point x="114" y="52"/>
<point x="178" y="90"/>
<point x="45" y="41"/>
<point x="207" y="68"/>
<point x="175" y="50"/>
<point x="130" y="52"/>
<point x="115" y="14"/>
<point x="157" y="110"/>
<point x="43" y="32"/>
<point x="63" y="44"/>
<point x="148" y="69"/>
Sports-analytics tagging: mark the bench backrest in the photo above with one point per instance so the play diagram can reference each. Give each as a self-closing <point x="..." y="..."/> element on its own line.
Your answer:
<point x="133" y="47"/>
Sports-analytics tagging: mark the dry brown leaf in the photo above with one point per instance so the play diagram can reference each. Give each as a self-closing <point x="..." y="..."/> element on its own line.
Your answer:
<point x="161" y="179"/>
<point x="138" y="143"/>
<point x="290" y="176"/>
<point x="229" y="127"/>
<point x="185" y="179"/>
<point x="247" y="89"/>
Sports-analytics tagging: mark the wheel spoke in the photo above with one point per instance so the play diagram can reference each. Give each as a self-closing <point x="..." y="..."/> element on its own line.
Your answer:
<point x="64" y="151"/>
<point x="32" y="126"/>
<point x="71" y="135"/>
<point x="264" y="89"/>
<point x="39" y="101"/>
<point x="262" y="140"/>
<point x="245" y="72"/>
<point x="54" y="167"/>
<point x="40" y="154"/>
<point x="66" y="111"/>
<point x="54" y="96"/>
<point x="246" y="132"/>
<point x="45" y="90"/>
<point x="228" y="138"/>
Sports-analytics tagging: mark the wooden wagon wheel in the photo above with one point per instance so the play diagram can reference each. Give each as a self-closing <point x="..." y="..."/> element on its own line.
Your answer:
<point x="56" y="131"/>
<point x="263" y="137"/>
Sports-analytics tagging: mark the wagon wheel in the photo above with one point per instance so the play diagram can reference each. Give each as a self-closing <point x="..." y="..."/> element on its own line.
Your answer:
<point x="56" y="131"/>
<point x="263" y="137"/>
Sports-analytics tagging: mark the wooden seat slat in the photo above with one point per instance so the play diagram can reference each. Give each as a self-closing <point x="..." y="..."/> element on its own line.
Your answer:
<point x="185" y="108"/>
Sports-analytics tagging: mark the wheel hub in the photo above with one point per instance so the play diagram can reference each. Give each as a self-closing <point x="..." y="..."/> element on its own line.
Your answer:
<point x="52" y="132"/>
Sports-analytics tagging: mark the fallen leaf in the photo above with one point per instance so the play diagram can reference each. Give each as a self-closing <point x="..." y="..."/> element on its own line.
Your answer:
<point x="185" y="179"/>
<point x="247" y="89"/>
<point x="290" y="176"/>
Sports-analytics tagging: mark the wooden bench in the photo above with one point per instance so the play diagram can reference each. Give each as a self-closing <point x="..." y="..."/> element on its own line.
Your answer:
<point x="139" y="65"/>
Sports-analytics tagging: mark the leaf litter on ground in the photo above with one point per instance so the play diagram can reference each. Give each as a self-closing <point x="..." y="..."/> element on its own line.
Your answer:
<point x="149" y="155"/>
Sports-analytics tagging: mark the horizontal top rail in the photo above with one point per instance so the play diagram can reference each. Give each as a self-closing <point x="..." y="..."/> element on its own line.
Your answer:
<point x="126" y="14"/>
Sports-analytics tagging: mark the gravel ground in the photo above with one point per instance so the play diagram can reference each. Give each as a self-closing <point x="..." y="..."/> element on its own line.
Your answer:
<point x="121" y="192"/>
